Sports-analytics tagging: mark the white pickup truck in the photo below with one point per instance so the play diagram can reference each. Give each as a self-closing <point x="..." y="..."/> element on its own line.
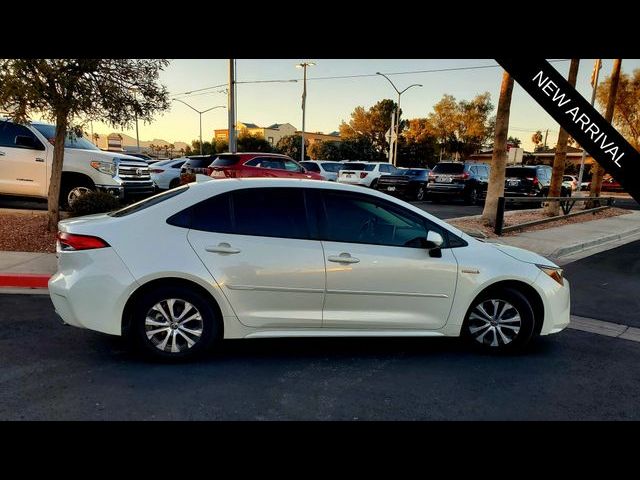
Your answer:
<point x="26" y="156"/>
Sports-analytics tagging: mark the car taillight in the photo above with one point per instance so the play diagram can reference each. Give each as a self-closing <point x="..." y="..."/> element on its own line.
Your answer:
<point x="465" y="175"/>
<point x="72" y="241"/>
<point x="156" y="170"/>
<point x="535" y="181"/>
<point x="363" y="174"/>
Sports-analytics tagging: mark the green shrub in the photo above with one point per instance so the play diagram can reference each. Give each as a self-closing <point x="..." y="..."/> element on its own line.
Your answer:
<point x="94" y="202"/>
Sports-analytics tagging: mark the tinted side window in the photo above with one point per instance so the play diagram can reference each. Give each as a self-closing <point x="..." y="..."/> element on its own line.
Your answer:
<point x="213" y="214"/>
<point x="291" y="166"/>
<point x="358" y="219"/>
<point x="266" y="162"/>
<point x="9" y="131"/>
<point x="270" y="212"/>
<point x="312" y="167"/>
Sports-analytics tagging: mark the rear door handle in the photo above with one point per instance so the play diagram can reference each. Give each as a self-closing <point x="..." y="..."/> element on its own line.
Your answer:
<point x="223" y="247"/>
<point x="344" y="257"/>
<point x="38" y="159"/>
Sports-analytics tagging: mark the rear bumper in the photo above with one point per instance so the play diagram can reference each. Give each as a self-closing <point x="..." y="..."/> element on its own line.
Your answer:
<point x="90" y="289"/>
<point x="445" y="189"/>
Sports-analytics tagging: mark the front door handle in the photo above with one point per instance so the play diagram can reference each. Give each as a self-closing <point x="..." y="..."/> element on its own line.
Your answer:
<point x="38" y="159"/>
<point x="344" y="257"/>
<point x="223" y="247"/>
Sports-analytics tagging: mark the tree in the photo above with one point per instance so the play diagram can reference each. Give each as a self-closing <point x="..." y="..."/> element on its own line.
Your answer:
<point x="372" y="125"/>
<point x="96" y="137"/>
<point x="626" y="115"/>
<point x="325" y="150"/>
<point x="559" y="159"/>
<point x="65" y="91"/>
<point x="253" y="143"/>
<point x="359" y="148"/>
<point x="598" y="174"/>
<point x="417" y="145"/>
<point x="499" y="160"/>
<point x="536" y="138"/>
<point x="290" y="145"/>
<point x="515" y="141"/>
<point x="462" y="127"/>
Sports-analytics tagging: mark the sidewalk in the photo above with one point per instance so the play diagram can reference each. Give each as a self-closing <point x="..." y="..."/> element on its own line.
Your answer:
<point x="26" y="269"/>
<point x="569" y="240"/>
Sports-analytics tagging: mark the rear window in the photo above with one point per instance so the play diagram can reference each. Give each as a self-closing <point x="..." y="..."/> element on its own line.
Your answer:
<point x="313" y="167"/>
<point x="416" y="173"/>
<point x="520" y="172"/>
<point x="368" y="167"/>
<point x="197" y="162"/>
<point x="149" y="202"/>
<point x="448" y="168"/>
<point x="225" y="161"/>
<point x="333" y="167"/>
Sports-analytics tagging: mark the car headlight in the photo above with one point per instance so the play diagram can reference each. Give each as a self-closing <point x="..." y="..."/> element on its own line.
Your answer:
<point x="553" y="272"/>
<point x="105" y="167"/>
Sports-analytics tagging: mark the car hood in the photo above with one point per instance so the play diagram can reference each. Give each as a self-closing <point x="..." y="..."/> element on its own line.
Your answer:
<point x="523" y="255"/>
<point x="102" y="156"/>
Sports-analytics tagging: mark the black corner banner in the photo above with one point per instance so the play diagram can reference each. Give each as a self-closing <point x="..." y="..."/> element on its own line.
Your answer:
<point x="576" y="115"/>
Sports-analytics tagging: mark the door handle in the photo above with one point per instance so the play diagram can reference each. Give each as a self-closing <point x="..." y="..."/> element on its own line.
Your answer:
<point x="2" y="154"/>
<point x="344" y="257"/>
<point x="38" y="159"/>
<point x="223" y="247"/>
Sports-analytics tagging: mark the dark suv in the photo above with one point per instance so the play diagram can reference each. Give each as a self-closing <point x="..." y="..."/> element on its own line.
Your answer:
<point x="464" y="180"/>
<point x="530" y="181"/>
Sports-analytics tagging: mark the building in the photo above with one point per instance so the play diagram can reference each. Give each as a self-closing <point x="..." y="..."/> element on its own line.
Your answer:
<point x="272" y="133"/>
<point x="313" y="137"/>
<point x="574" y="157"/>
<point x="121" y="142"/>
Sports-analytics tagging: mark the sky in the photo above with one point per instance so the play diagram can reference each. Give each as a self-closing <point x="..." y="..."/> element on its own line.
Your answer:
<point x="330" y="101"/>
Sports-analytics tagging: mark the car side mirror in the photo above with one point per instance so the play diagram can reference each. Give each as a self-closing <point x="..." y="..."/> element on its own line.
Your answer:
<point x="25" y="141"/>
<point x="434" y="243"/>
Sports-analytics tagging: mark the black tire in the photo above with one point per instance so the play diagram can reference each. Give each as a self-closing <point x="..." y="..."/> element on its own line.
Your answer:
<point x="472" y="196"/>
<point x="489" y="335"/>
<point x="174" y="183"/>
<point x="374" y="183"/>
<point x="421" y="193"/>
<point x="208" y="324"/>
<point x="73" y="184"/>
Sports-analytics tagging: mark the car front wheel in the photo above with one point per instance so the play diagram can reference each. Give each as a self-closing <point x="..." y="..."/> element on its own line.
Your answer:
<point x="500" y="321"/>
<point x="174" y="323"/>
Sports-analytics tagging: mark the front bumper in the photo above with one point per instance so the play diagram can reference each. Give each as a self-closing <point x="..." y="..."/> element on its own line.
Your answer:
<point x="556" y="300"/>
<point x="129" y="189"/>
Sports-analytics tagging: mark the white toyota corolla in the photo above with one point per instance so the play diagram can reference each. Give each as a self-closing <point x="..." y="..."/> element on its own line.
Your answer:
<point x="260" y="258"/>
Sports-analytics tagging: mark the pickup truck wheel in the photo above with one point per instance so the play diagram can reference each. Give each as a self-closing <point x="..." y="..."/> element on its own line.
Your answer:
<point x="73" y="190"/>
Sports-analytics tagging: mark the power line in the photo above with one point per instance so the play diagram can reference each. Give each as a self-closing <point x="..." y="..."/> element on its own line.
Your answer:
<point x="363" y="75"/>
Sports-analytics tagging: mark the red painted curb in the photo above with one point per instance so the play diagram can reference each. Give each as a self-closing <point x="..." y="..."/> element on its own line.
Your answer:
<point x="24" y="280"/>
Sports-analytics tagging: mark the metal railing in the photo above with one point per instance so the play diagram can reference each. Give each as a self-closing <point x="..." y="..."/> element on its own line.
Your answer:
<point x="566" y="205"/>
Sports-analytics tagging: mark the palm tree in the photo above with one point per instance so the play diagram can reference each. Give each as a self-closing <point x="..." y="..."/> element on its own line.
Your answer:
<point x="499" y="161"/>
<point x="96" y="137"/>
<point x="536" y="138"/>
<point x="560" y="157"/>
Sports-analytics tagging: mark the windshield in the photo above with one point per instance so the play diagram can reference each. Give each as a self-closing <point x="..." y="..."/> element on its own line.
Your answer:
<point x="448" y="168"/>
<point x="49" y="131"/>
<point x="358" y="166"/>
<point x="520" y="172"/>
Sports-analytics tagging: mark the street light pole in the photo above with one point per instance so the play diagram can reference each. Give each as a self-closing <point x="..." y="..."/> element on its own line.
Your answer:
<point x="594" y="82"/>
<point x="200" y="114"/>
<point x="304" y="66"/>
<point x="395" y="153"/>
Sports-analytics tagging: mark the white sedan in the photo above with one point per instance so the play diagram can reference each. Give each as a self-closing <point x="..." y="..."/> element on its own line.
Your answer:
<point x="166" y="173"/>
<point x="263" y="258"/>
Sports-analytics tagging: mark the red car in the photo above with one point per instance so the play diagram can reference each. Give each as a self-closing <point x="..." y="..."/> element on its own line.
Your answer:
<point x="237" y="165"/>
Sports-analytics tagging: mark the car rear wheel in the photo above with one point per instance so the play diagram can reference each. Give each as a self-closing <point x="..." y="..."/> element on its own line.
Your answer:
<point x="374" y="183"/>
<point x="421" y="193"/>
<point x="472" y="197"/>
<point x="174" y="183"/>
<point x="501" y="320"/>
<point x="174" y="323"/>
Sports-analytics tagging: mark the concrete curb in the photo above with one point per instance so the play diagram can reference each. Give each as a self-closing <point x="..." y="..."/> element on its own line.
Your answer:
<point x="580" y="246"/>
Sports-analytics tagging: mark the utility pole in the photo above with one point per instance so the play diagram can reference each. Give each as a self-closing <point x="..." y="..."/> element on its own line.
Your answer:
<point x="545" y="138"/>
<point x="304" y="66"/>
<point x="233" y="145"/>
<point x="200" y="114"/>
<point x="395" y="160"/>
<point x="594" y="83"/>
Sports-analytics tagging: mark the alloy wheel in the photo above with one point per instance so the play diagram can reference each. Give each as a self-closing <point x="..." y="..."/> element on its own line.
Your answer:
<point x="173" y="325"/>
<point x="494" y="323"/>
<point x="420" y="194"/>
<point x="76" y="193"/>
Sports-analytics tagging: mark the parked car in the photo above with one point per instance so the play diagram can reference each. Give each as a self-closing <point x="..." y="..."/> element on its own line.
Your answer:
<point x="264" y="258"/>
<point x="570" y="181"/>
<point x="166" y="173"/>
<point x="26" y="157"/>
<point x="240" y="165"/>
<point x="365" y="173"/>
<point x="327" y="169"/>
<point x="530" y="181"/>
<point x="467" y="181"/>
<point x="410" y="183"/>
<point x="610" y="185"/>
<point x="195" y="164"/>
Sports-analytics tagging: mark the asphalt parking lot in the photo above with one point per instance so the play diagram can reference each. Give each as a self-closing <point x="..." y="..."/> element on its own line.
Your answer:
<point x="52" y="371"/>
